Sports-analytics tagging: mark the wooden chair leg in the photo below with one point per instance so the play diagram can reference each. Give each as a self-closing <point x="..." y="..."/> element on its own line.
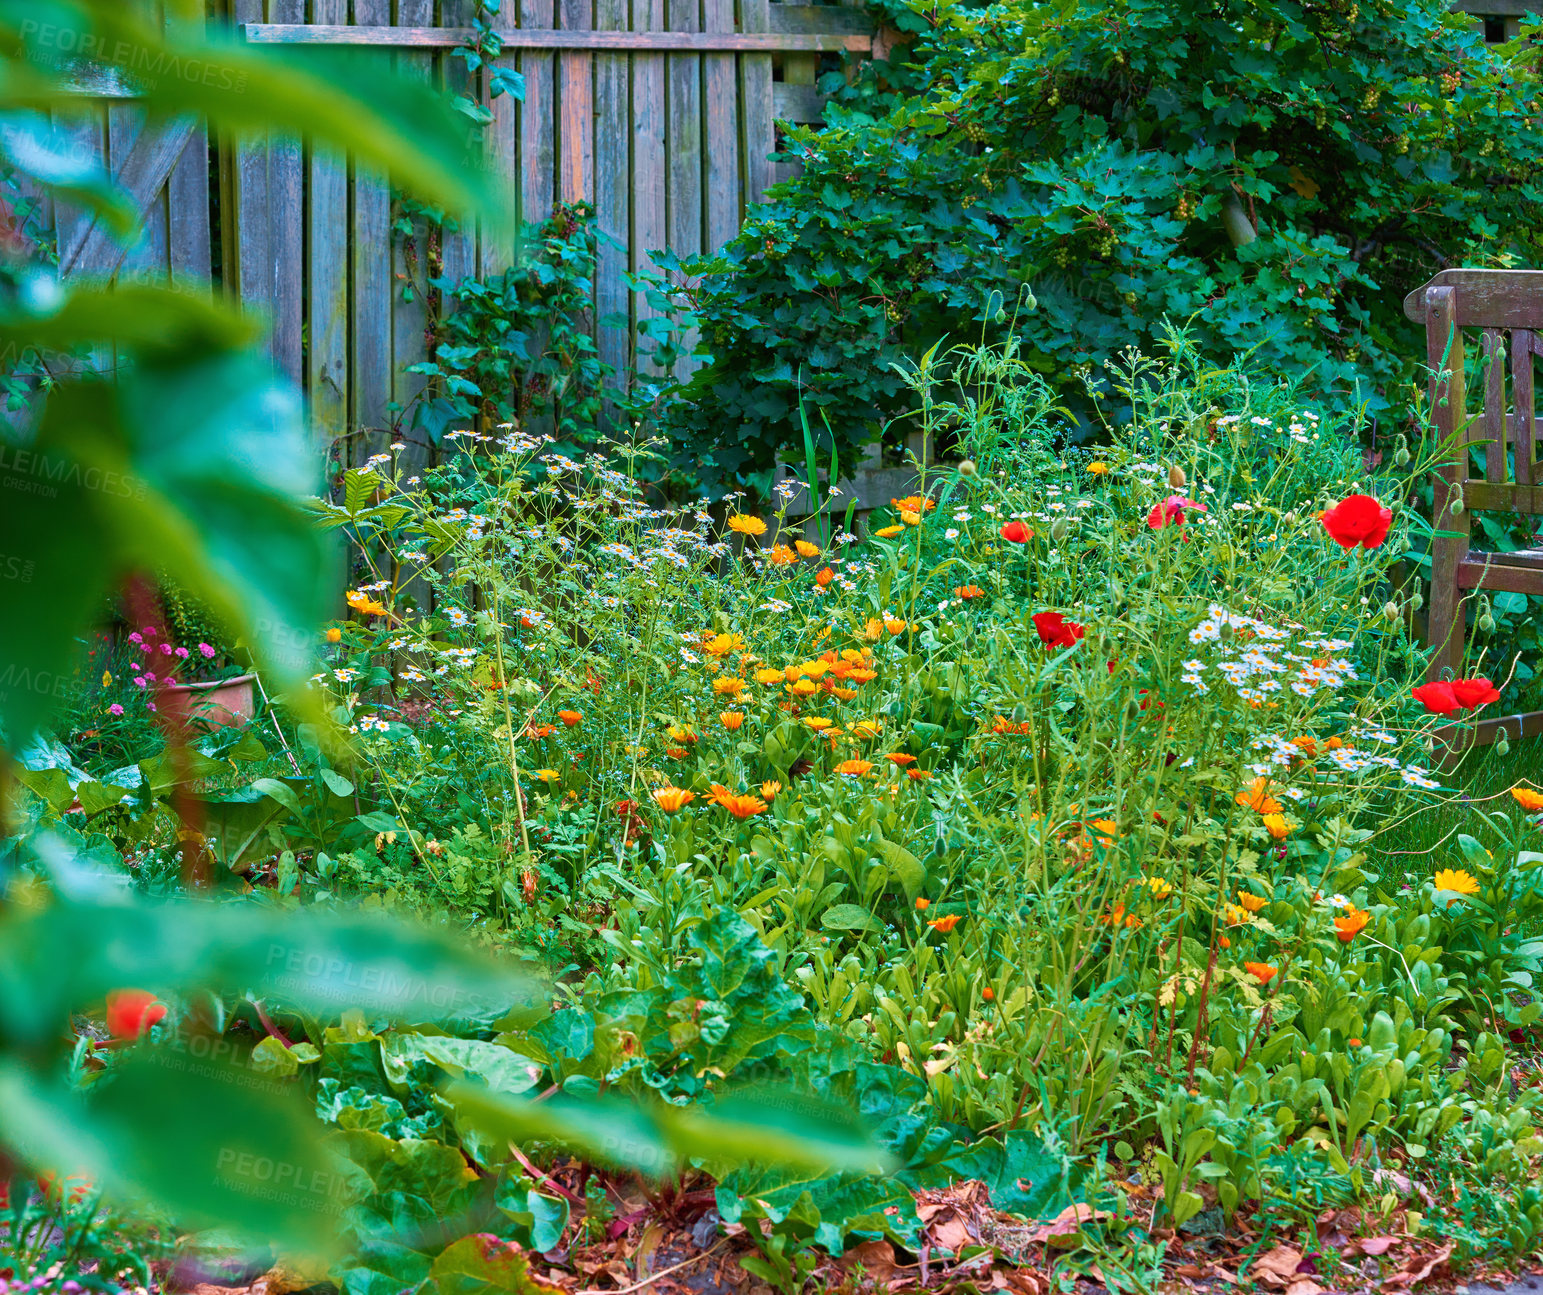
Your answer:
<point x="1446" y="608"/>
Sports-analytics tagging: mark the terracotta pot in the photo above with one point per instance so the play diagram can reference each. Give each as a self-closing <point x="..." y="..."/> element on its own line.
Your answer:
<point x="220" y="703"/>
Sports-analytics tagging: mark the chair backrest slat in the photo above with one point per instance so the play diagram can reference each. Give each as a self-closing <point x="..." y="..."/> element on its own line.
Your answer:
<point x="1492" y="421"/>
<point x="1524" y="344"/>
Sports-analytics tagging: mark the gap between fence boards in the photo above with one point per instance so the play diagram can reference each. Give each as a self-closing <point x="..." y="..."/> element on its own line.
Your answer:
<point x="541" y="38"/>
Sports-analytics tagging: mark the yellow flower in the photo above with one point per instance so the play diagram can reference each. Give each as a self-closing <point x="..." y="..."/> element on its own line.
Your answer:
<point x="746" y="525"/>
<point x="768" y="674"/>
<point x="812" y="669"/>
<point x="816" y="723"/>
<point x="107" y="679"/>
<point x="1527" y="798"/>
<point x="893" y="625"/>
<point x="807" y="549"/>
<point x="334" y="635"/>
<point x="1257" y="796"/>
<point x="910" y="518"/>
<point x="805" y="688"/>
<point x="914" y="504"/>
<point x="670" y="799"/>
<point x="741" y="805"/>
<point x="889" y="532"/>
<point x="723" y="644"/>
<point x="680" y="733"/>
<point x="1457" y="881"/>
<point x="1098" y="468"/>
<point x="731" y="719"/>
<point x="1159" y="886"/>
<point x="769" y="790"/>
<point x="548" y="776"/>
<point x="780" y="555"/>
<point x="364" y="603"/>
<point x="726" y="687"/>
<point x="867" y="729"/>
<point x="1278" y="827"/>
<point x="873" y="629"/>
<point x="1253" y="903"/>
<point x="1234" y="915"/>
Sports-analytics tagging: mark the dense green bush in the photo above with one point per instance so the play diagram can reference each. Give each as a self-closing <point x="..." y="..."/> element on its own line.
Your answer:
<point x="1278" y="173"/>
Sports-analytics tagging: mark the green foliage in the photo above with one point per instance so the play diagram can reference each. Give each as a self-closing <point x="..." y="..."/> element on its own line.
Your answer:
<point x="1276" y="176"/>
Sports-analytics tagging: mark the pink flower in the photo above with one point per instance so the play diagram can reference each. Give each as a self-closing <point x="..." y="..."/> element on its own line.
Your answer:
<point x="165" y="649"/>
<point x="135" y="638"/>
<point x="182" y="653"/>
<point x="1172" y="510"/>
<point x="149" y="676"/>
<point x="115" y="709"/>
<point x="206" y="650"/>
<point x="139" y="681"/>
<point x="150" y="704"/>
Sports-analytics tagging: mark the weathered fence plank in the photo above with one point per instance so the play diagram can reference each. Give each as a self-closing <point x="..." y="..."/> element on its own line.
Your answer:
<point x="613" y="194"/>
<point x="327" y="276"/>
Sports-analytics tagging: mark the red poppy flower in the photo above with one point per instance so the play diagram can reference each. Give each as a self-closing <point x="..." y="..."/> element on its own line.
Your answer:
<point x="1016" y="533"/>
<point x="1474" y="693"/>
<point x="1172" y="510"/>
<point x="1056" y="631"/>
<point x="1437" y="698"/>
<point x="131" y="1012"/>
<point x="1358" y="520"/>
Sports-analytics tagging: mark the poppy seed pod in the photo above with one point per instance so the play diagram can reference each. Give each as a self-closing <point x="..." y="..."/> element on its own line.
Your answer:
<point x="1176" y="477"/>
<point x="1390" y="611"/>
<point x="967" y="468"/>
<point x="1502" y="745"/>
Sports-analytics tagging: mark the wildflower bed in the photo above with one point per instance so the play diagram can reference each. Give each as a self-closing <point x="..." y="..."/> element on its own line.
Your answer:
<point x="1042" y="828"/>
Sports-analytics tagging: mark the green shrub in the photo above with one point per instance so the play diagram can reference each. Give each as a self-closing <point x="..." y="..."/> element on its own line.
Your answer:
<point x="1276" y="175"/>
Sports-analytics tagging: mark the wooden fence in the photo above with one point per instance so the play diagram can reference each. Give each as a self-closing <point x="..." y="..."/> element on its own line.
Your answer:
<point x="662" y="114"/>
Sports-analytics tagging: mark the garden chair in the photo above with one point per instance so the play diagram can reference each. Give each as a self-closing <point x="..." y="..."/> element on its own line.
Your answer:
<point x="1506" y="307"/>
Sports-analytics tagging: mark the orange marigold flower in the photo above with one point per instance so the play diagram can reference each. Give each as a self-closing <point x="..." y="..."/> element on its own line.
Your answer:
<point x="723" y="644"/>
<point x="1261" y="971"/>
<point x="743" y="806"/>
<point x="731" y="719"/>
<point x="1350" y="924"/>
<point x="894" y="625"/>
<point x="364" y="603"/>
<point x="1527" y="798"/>
<point x="861" y="676"/>
<point x="813" y="669"/>
<point x="1117" y="916"/>
<point x="1458" y="881"/>
<point x="817" y="722"/>
<point x="806" y="549"/>
<point x="914" y="504"/>
<point x="746" y="525"/>
<point x="676" y="752"/>
<point x="910" y="518"/>
<point x="922" y="903"/>
<point x="946" y="923"/>
<point x="769" y="790"/>
<point x="570" y="717"/>
<point x="768" y="674"/>
<point x="988" y="993"/>
<point x="1253" y="903"/>
<point x="854" y="768"/>
<point x="680" y="733"/>
<point x="1257" y="796"/>
<point x="845" y="694"/>
<point x="1277" y="826"/>
<point x="780" y="555"/>
<point x="1097" y="468"/>
<point x="537" y="731"/>
<point x="824" y="576"/>
<point x="1308" y="746"/>
<point x="131" y="1012"/>
<point x="334" y="635"/>
<point x="873" y="629"/>
<point x="888" y="532"/>
<point x="726" y="687"/>
<point x="918" y="775"/>
<point x="671" y="799"/>
<point x="1003" y="726"/>
<point x="900" y="758"/>
<point x="548" y="776"/>
<point x="967" y="592"/>
<point x="1334" y="744"/>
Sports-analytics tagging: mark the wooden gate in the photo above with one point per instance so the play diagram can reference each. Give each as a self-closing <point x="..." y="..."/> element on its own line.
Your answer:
<point x="660" y="113"/>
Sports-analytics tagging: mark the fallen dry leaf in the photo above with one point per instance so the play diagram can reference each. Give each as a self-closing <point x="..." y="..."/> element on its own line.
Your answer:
<point x="1277" y="1266"/>
<point x="952" y="1234"/>
<point x="1304" y="1286"/>
<point x="1409" y="1276"/>
<point x="877" y="1259"/>
<point x="1374" y="1245"/>
<point x="1068" y="1223"/>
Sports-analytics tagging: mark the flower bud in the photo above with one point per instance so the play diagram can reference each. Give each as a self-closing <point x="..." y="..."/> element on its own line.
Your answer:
<point x="1390" y="611"/>
<point x="1457" y="505"/>
<point x="967" y="468"/>
<point x="1502" y="745"/>
<point x="1401" y="455"/>
<point x="1176" y="477"/>
<point x="1030" y="301"/>
<point x="1416" y="600"/>
<point x="1058" y="529"/>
